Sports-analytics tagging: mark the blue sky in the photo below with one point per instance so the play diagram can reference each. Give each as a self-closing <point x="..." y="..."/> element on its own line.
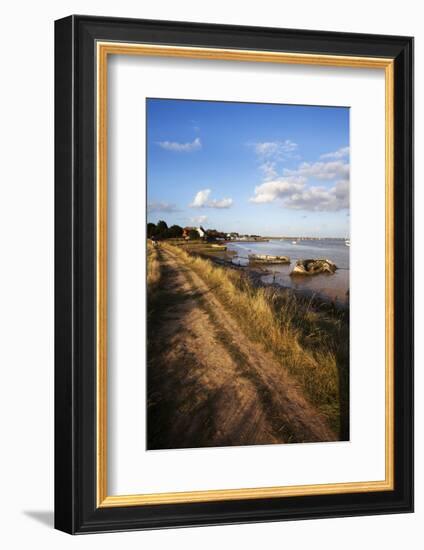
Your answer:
<point x="252" y="168"/>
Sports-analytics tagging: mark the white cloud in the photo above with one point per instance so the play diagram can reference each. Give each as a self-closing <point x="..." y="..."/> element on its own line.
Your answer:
<point x="199" y="219"/>
<point x="269" y="170"/>
<point x="320" y="199"/>
<point x="194" y="145"/>
<point x="332" y="170"/>
<point x="340" y="153"/>
<point x="292" y="190"/>
<point x="277" y="150"/>
<point x="280" y="188"/>
<point x="162" y="207"/>
<point x="202" y="200"/>
<point x="221" y="203"/>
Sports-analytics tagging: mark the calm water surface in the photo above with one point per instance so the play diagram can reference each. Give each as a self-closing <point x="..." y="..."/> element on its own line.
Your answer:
<point x="333" y="286"/>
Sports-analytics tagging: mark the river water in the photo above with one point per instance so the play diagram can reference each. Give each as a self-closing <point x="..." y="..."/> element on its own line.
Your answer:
<point x="333" y="286"/>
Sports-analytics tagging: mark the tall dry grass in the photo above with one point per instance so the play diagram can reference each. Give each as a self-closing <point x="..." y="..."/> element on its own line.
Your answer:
<point x="153" y="267"/>
<point x="309" y="340"/>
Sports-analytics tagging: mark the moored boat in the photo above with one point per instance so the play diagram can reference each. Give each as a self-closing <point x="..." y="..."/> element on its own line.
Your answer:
<point x="313" y="267"/>
<point x="269" y="259"/>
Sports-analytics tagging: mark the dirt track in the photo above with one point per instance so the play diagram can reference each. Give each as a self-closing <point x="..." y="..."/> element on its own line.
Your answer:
<point x="209" y="385"/>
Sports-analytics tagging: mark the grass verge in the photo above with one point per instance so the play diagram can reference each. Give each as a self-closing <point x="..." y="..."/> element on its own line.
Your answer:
<point x="153" y="267"/>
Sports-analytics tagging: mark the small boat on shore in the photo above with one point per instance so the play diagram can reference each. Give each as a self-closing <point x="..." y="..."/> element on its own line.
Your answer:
<point x="268" y="259"/>
<point x="218" y="247"/>
<point x="313" y="267"/>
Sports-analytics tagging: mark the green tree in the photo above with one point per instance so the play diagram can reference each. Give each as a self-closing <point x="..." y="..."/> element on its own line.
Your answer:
<point x="193" y="234"/>
<point x="161" y="227"/>
<point x="151" y="230"/>
<point x="175" y="231"/>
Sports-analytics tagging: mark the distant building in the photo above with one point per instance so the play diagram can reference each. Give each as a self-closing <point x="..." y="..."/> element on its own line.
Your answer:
<point x="232" y="236"/>
<point x="186" y="232"/>
<point x="199" y="230"/>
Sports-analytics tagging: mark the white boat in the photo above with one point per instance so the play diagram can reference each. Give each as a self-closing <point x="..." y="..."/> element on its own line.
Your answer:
<point x="347" y="242"/>
<point x="268" y="259"/>
<point x="294" y="242"/>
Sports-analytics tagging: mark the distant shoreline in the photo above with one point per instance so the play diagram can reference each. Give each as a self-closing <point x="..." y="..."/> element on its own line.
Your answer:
<point x="306" y="238"/>
<point x="246" y="240"/>
<point x="267" y="239"/>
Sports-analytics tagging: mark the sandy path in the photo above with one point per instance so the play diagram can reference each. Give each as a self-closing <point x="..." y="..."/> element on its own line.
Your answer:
<point x="209" y="385"/>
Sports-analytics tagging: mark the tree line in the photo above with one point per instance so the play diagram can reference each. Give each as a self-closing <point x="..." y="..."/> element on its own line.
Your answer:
<point x="161" y="230"/>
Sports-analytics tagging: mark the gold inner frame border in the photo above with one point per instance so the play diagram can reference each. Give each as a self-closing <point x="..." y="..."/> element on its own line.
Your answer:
<point x="103" y="50"/>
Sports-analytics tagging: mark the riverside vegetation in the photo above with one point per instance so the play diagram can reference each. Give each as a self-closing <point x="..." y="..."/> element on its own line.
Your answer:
<point x="306" y="338"/>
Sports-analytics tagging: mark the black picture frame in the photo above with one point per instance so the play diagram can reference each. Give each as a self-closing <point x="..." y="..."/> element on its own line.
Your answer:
<point x="76" y="510"/>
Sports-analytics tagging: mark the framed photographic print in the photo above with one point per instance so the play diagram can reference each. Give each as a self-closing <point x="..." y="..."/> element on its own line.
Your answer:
<point x="234" y="274"/>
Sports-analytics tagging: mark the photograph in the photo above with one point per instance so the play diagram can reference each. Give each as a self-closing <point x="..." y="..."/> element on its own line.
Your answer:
<point x="248" y="246"/>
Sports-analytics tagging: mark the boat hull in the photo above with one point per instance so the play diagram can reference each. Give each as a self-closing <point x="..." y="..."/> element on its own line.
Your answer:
<point x="268" y="259"/>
